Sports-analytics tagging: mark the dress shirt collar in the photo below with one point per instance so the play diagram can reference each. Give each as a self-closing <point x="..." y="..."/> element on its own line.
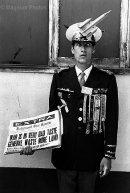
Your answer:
<point x="87" y="71"/>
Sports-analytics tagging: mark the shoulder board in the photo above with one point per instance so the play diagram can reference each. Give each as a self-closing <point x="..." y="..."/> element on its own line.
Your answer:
<point x="59" y="70"/>
<point x="107" y="71"/>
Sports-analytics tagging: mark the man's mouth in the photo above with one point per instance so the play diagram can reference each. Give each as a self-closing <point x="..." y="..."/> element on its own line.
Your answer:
<point x="83" y="55"/>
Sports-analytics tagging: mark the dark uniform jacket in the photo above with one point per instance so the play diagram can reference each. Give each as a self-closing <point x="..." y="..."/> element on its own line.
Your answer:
<point x="89" y="125"/>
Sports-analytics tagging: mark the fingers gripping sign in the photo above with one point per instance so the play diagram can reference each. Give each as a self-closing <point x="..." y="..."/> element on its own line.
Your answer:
<point x="27" y="151"/>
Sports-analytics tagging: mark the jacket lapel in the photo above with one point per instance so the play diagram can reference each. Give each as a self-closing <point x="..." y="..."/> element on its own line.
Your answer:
<point x="93" y="79"/>
<point x="74" y="80"/>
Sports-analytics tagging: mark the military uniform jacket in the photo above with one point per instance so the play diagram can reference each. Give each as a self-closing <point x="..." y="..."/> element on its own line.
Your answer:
<point x="89" y="128"/>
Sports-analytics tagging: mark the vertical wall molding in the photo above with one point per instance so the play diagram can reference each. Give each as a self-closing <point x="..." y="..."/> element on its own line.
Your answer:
<point x="53" y="31"/>
<point x="125" y="34"/>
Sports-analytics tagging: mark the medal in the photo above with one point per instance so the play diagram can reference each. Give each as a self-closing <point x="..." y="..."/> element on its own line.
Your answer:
<point x="65" y="105"/>
<point x="103" y="107"/>
<point x="96" y="113"/>
<point x="103" y="112"/>
<point x="87" y="129"/>
<point x="84" y="108"/>
<point x="88" y="117"/>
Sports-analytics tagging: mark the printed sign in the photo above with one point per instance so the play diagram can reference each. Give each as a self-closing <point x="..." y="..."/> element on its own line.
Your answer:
<point x="40" y="132"/>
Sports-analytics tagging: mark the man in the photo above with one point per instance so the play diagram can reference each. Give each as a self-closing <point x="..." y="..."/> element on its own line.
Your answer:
<point x="88" y="100"/>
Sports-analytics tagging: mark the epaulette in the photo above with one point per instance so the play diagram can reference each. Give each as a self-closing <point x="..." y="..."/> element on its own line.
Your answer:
<point x="107" y="71"/>
<point x="59" y="70"/>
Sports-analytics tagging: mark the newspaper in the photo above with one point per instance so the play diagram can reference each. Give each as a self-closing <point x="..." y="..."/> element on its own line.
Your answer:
<point x="40" y="132"/>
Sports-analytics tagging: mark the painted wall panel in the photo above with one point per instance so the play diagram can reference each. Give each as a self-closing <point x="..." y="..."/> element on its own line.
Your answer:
<point x="22" y="95"/>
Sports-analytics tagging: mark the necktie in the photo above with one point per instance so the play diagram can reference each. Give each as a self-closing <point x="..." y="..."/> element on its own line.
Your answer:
<point x="82" y="79"/>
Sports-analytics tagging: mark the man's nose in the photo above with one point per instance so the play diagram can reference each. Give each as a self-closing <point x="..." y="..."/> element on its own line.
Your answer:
<point x="83" y="48"/>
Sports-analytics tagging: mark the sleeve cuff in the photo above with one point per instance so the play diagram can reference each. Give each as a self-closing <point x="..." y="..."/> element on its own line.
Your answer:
<point x="110" y="151"/>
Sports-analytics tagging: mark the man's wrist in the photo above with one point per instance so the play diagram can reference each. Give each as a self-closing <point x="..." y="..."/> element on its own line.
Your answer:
<point x="109" y="157"/>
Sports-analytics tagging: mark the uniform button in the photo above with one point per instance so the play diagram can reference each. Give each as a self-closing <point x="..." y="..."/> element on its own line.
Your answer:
<point x="79" y="128"/>
<point x="80" y="118"/>
<point x="80" y="109"/>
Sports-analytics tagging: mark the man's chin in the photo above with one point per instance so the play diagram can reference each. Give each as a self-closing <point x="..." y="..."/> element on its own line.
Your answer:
<point x="82" y="61"/>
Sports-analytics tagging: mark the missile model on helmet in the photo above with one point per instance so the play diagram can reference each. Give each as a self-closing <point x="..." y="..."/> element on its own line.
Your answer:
<point x="88" y="24"/>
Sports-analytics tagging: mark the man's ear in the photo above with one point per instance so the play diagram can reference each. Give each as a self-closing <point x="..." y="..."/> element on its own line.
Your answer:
<point x="93" y="50"/>
<point x="72" y="49"/>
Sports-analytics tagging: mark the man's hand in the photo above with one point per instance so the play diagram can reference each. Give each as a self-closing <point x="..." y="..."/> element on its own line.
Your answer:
<point x="27" y="151"/>
<point x="105" y="166"/>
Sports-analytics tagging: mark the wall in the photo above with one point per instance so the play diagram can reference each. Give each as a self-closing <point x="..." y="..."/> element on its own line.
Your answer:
<point x="26" y="94"/>
<point x="22" y="95"/>
<point x="122" y="162"/>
